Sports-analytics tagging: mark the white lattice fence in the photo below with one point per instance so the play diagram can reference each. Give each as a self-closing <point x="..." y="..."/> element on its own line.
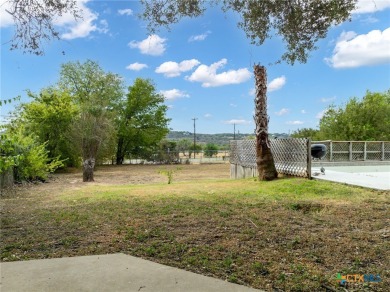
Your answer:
<point x="291" y="156"/>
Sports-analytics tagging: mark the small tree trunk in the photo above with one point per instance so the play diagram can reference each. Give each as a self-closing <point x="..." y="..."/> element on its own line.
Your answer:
<point x="88" y="166"/>
<point x="119" y="152"/>
<point x="264" y="159"/>
<point x="119" y="160"/>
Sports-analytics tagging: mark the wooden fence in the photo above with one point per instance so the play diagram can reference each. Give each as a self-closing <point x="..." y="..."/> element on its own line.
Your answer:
<point x="291" y="156"/>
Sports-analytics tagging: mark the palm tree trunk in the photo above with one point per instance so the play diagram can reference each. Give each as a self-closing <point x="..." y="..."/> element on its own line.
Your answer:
<point x="264" y="159"/>
<point x="88" y="166"/>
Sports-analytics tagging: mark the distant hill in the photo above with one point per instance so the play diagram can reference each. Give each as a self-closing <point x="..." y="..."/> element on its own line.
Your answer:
<point x="222" y="139"/>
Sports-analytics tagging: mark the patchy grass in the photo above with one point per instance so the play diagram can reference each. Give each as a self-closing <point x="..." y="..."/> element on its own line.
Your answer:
<point x="289" y="234"/>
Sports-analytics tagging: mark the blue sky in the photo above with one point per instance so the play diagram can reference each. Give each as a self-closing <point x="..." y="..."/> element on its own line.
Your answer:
<point x="204" y="66"/>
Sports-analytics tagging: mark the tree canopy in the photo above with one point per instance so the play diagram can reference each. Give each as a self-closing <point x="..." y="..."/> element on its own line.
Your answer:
<point x="300" y="23"/>
<point x="49" y="116"/>
<point x="366" y="119"/>
<point x="141" y="121"/>
<point x="359" y="120"/>
<point x="34" y="22"/>
<point x="96" y="93"/>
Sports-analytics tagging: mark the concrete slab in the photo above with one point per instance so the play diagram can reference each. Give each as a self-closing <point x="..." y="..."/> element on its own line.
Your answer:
<point x="115" y="272"/>
<point x="370" y="176"/>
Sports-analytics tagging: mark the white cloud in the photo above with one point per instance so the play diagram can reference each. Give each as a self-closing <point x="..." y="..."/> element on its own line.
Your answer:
<point x="136" y="66"/>
<point x="321" y="114"/>
<point x="303" y="112"/>
<point x="282" y="112"/>
<point x="369" y="6"/>
<point x="328" y="99"/>
<point x="294" y="123"/>
<point x="173" y="94"/>
<point x="233" y="105"/>
<point x="125" y="11"/>
<point x="200" y="37"/>
<point x="208" y="76"/>
<point x="354" y="50"/>
<point x="104" y="26"/>
<point x="173" y="69"/>
<point x="152" y="45"/>
<point x="208" y="116"/>
<point x="237" y="122"/>
<point x="80" y="28"/>
<point x="277" y="83"/>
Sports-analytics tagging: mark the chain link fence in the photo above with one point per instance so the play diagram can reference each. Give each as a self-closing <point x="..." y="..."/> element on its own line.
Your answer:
<point x="182" y="157"/>
<point x="349" y="151"/>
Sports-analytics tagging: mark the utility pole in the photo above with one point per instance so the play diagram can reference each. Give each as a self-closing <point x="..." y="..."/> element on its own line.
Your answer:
<point x="194" y="119"/>
<point x="234" y="133"/>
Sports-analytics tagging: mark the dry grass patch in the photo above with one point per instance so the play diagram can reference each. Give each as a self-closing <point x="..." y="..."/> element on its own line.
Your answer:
<point x="289" y="234"/>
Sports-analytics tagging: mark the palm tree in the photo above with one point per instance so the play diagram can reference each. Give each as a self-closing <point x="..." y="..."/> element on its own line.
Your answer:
<point x="264" y="159"/>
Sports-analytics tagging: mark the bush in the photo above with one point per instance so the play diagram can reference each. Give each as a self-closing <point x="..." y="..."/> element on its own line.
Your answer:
<point x="29" y="158"/>
<point x="34" y="163"/>
<point x="210" y="150"/>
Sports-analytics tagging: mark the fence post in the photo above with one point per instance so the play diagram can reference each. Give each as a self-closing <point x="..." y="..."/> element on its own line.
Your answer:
<point x="365" y="151"/>
<point x="383" y="151"/>
<point x="330" y="150"/>
<point x="308" y="167"/>
<point x="350" y="151"/>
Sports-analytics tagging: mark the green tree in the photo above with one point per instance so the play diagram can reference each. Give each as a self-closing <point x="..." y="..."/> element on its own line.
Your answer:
<point x="210" y="150"/>
<point x="197" y="148"/>
<point x="300" y="24"/>
<point x="313" y="134"/>
<point x="141" y="120"/>
<point x="29" y="158"/>
<point x="97" y="94"/>
<point x="49" y="117"/>
<point x="184" y="145"/>
<point x="166" y="152"/>
<point x="359" y="120"/>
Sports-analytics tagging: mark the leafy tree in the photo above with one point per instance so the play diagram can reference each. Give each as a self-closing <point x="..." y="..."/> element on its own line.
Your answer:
<point x="34" y="21"/>
<point x="141" y="120"/>
<point x="365" y="119"/>
<point x="49" y="117"/>
<point x="184" y="145"/>
<point x="9" y="100"/>
<point x="300" y="24"/>
<point x="210" y="150"/>
<point x="197" y="148"/>
<point x="97" y="95"/>
<point x="166" y="152"/>
<point x="8" y="156"/>
<point x="29" y="158"/>
<point x="313" y="134"/>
